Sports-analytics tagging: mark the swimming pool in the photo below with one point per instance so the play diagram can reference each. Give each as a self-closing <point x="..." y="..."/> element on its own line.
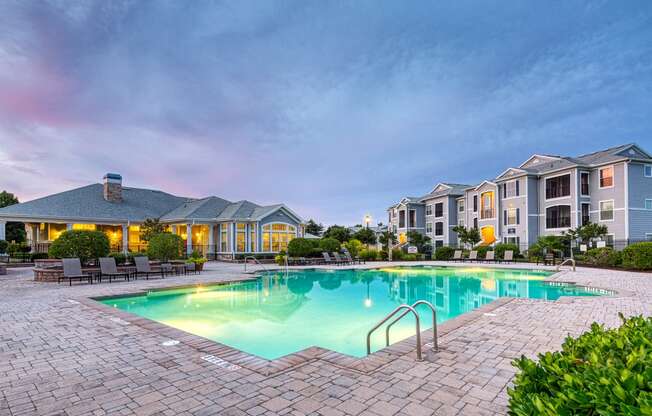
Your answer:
<point x="279" y="314"/>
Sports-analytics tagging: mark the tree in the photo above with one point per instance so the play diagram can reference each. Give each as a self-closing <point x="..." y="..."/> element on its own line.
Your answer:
<point x="365" y="236"/>
<point x="83" y="244"/>
<point x="592" y="231"/>
<point x="421" y="241"/>
<point x="329" y="244"/>
<point x="387" y="236"/>
<point x="470" y="236"/>
<point x="342" y="234"/>
<point x="354" y="246"/>
<point x="150" y="228"/>
<point x="165" y="246"/>
<point x="313" y="228"/>
<point x="14" y="231"/>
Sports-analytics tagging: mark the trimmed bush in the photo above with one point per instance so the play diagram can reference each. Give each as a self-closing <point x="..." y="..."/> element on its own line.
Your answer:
<point x="604" y="256"/>
<point x="302" y="247"/>
<point x="165" y="246"/>
<point x="482" y="251"/>
<point x="603" y="372"/>
<point x="354" y="246"/>
<point x="444" y="253"/>
<point x="84" y="244"/>
<point x="329" y="244"/>
<point x="369" y="254"/>
<point x="38" y="256"/>
<point x="638" y="256"/>
<point x="410" y="257"/>
<point x="14" y="249"/>
<point x="500" y="249"/>
<point x="120" y="258"/>
<point x="3" y="246"/>
<point x="397" y="254"/>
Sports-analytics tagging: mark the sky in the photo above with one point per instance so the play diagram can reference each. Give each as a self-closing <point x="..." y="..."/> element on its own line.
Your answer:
<point x="335" y="108"/>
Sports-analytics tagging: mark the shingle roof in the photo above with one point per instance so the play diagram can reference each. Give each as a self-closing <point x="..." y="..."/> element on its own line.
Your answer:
<point x="454" y="189"/>
<point x="88" y="203"/>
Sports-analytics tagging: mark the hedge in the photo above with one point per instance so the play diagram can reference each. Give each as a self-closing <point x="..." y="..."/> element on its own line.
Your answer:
<point x="165" y="246"/>
<point x="302" y="247"/>
<point x="638" y="256"/>
<point x="3" y="246"/>
<point x="501" y="248"/>
<point x="83" y="244"/>
<point x="602" y="372"/>
<point x="604" y="256"/>
<point x="444" y="253"/>
<point x="329" y="244"/>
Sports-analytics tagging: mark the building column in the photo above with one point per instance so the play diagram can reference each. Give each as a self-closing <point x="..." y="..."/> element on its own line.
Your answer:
<point x="233" y="238"/>
<point x="125" y="238"/>
<point x="211" y="239"/>
<point x="3" y="230"/>
<point x="174" y="229"/>
<point x="68" y="227"/>
<point x="189" y="238"/>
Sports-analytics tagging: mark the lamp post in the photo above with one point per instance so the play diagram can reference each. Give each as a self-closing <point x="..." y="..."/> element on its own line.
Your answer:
<point x="367" y="220"/>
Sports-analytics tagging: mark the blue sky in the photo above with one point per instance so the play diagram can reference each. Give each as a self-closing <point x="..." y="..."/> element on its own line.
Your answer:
<point x="336" y="108"/>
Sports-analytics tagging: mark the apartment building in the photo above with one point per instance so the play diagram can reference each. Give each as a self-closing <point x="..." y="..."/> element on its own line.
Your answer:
<point x="544" y="195"/>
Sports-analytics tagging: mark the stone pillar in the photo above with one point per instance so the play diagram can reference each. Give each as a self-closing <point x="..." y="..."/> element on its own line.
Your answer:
<point x="189" y="238"/>
<point x="3" y="232"/>
<point x="211" y="239"/>
<point x="125" y="238"/>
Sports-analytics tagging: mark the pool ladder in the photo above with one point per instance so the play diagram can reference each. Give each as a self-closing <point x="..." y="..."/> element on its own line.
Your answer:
<point x="406" y="310"/>
<point x="255" y="261"/>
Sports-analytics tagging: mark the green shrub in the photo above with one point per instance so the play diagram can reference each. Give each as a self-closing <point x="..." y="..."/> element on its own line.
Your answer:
<point x="165" y="246"/>
<point x="39" y="256"/>
<point x="482" y="251"/>
<point x="604" y="256"/>
<point x="14" y="249"/>
<point x="302" y="247"/>
<point x="329" y="244"/>
<point x="83" y="244"/>
<point x="397" y="254"/>
<point x="369" y="254"/>
<point x="410" y="257"/>
<point x="638" y="256"/>
<point x="603" y="372"/>
<point x="120" y="258"/>
<point x="354" y="246"/>
<point x="3" y="246"/>
<point x="502" y="247"/>
<point x="280" y="258"/>
<point x="444" y="253"/>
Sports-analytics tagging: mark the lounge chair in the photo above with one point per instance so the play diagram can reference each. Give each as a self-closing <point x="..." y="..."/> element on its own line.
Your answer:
<point x="144" y="268"/>
<point x="191" y="268"/>
<point x="72" y="270"/>
<point x="508" y="256"/>
<point x="339" y="259"/>
<point x="327" y="258"/>
<point x="457" y="256"/>
<point x="473" y="255"/>
<point x="350" y="259"/>
<point x="109" y="269"/>
<point x="490" y="256"/>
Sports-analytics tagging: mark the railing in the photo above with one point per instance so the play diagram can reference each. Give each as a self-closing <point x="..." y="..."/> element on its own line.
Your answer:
<point x="434" y="322"/>
<point x="572" y="261"/>
<point x="388" y="317"/>
<point x="256" y="261"/>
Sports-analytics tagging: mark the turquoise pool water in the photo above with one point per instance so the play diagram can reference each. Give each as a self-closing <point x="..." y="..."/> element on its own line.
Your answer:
<point x="278" y="315"/>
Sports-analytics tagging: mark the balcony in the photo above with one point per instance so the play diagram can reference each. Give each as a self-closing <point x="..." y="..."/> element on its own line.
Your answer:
<point x="487" y="214"/>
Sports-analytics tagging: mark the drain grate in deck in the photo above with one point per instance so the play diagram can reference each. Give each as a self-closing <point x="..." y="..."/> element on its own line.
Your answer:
<point x="220" y="363"/>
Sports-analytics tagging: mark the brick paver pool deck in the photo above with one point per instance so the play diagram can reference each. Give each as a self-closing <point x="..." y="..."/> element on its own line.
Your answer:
<point x="62" y="355"/>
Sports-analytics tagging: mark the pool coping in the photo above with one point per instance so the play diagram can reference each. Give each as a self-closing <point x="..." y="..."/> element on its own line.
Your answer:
<point x="233" y="358"/>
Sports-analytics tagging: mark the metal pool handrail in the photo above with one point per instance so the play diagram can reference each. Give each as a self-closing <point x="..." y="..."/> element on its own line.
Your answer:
<point x="388" y="317"/>
<point x="434" y="322"/>
<point x="558" y="268"/>
<point x="255" y="260"/>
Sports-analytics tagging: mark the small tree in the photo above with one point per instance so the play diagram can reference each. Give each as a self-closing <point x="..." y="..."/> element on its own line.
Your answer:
<point x="386" y="237"/>
<point x="468" y="236"/>
<point x="354" y="246"/>
<point x="150" y="228"/>
<point x="365" y="236"/>
<point x="338" y="232"/>
<point x="83" y="244"/>
<point x="421" y="241"/>
<point x="329" y="244"/>
<point x="592" y="231"/>
<point x="313" y="228"/>
<point x="302" y="247"/>
<point x="165" y="247"/>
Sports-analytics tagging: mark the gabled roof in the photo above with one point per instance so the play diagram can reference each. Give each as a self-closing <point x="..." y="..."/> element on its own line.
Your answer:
<point x="482" y="183"/>
<point x="625" y="151"/>
<point x="538" y="159"/>
<point x="445" y="189"/>
<point x="198" y="209"/>
<point x="88" y="203"/>
<point x="511" y="172"/>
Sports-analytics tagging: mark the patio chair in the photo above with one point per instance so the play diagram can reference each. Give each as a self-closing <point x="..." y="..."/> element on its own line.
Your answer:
<point x="191" y="268"/>
<point x="508" y="256"/>
<point x="328" y="259"/>
<point x="144" y="268"/>
<point x="347" y="257"/>
<point x="457" y="256"/>
<point x="72" y="270"/>
<point x="167" y="268"/>
<point x="109" y="269"/>
<point x="490" y="256"/>
<point x="473" y="255"/>
<point x="339" y="259"/>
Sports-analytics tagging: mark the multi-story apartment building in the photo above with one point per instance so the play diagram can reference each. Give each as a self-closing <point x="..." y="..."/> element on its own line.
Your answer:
<point x="545" y="195"/>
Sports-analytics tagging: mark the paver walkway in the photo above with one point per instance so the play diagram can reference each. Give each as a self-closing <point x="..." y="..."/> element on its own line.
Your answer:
<point x="61" y="357"/>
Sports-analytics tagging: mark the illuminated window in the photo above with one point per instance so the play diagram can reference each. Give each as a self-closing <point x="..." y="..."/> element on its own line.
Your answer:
<point x="511" y="216"/>
<point x="607" y="177"/>
<point x="487" y="205"/>
<point x="277" y="236"/>
<point x="86" y="227"/>
<point x="224" y="238"/>
<point x="252" y="237"/>
<point x="241" y="237"/>
<point x="55" y="230"/>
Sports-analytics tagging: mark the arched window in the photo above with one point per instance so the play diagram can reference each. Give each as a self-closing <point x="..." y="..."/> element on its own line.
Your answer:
<point x="277" y="236"/>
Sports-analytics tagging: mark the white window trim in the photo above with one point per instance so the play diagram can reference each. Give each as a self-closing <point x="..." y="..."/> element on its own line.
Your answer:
<point x="644" y="169"/>
<point x="613" y="177"/>
<point x="613" y="210"/>
<point x="429" y="226"/>
<point x="429" y="208"/>
<point x="645" y="204"/>
<point x="545" y="186"/>
<point x="613" y="238"/>
<point x="588" y="174"/>
<point x="515" y="216"/>
<point x="434" y="230"/>
<point x="545" y="217"/>
<point x="435" y="210"/>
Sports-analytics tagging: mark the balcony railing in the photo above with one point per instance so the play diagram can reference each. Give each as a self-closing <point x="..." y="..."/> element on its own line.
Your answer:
<point x="487" y="213"/>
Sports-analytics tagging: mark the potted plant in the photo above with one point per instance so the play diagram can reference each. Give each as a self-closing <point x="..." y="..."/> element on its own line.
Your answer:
<point x="198" y="260"/>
